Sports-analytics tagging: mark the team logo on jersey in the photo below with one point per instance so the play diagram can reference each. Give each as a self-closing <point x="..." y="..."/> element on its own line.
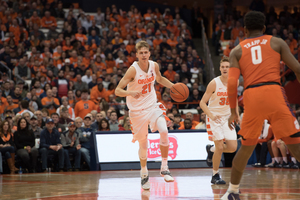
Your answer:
<point x="146" y="80"/>
<point x="154" y="151"/>
<point x="86" y="106"/>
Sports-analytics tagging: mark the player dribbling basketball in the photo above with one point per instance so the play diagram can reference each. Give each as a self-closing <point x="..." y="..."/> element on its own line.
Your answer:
<point x="141" y="100"/>
<point x="218" y="112"/>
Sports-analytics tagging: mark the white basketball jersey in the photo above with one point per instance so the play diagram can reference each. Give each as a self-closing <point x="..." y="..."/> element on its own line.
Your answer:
<point x="218" y="103"/>
<point x="143" y="82"/>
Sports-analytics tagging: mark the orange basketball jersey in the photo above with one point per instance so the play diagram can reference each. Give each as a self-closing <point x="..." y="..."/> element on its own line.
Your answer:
<point x="259" y="63"/>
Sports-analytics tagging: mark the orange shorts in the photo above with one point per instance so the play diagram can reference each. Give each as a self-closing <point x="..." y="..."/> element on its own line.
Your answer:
<point x="268" y="102"/>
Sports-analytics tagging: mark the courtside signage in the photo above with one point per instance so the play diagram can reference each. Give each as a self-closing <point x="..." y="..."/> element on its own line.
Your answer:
<point x="184" y="146"/>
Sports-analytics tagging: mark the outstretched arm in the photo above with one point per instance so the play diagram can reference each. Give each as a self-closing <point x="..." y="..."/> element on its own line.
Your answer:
<point x="162" y="80"/>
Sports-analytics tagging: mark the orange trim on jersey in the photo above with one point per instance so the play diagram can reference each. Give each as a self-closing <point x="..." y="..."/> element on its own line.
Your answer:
<point x="207" y="126"/>
<point x="209" y="133"/>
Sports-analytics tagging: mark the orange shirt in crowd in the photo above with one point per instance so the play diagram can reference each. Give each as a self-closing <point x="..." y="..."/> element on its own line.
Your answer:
<point x="173" y="29"/>
<point x="73" y="60"/>
<point x="96" y="95"/>
<point x="81" y="37"/>
<point x="172" y="43"/>
<point x="170" y="75"/>
<point x="110" y="64"/>
<point x="46" y="101"/>
<point x="130" y="48"/>
<point x="168" y="104"/>
<point x="235" y="32"/>
<point x="36" y="20"/>
<point x="12" y="106"/>
<point x="156" y="42"/>
<point x="194" y="124"/>
<point x="86" y="61"/>
<point x="82" y="108"/>
<point x="48" y="22"/>
<point x="293" y="45"/>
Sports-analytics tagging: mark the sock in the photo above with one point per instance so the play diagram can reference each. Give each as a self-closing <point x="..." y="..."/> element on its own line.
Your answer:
<point x="234" y="188"/>
<point x="215" y="172"/>
<point x="273" y="160"/>
<point x="212" y="149"/>
<point x="285" y="159"/>
<point x="164" y="163"/>
<point x="294" y="160"/>
<point x="144" y="170"/>
<point x="277" y="159"/>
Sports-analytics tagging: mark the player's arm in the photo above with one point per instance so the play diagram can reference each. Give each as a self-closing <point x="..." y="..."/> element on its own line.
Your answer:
<point x="129" y="76"/>
<point x="288" y="57"/>
<point x="203" y="103"/>
<point x="233" y="77"/>
<point x="162" y="80"/>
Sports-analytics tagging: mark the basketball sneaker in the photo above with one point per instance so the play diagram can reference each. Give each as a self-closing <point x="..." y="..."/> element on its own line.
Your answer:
<point x="209" y="155"/>
<point x="216" y="179"/>
<point x="230" y="196"/>
<point x="269" y="165"/>
<point x="166" y="174"/>
<point x="275" y="165"/>
<point x="285" y="165"/>
<point x="294" y="165"/>
<point x="145" y="181"/>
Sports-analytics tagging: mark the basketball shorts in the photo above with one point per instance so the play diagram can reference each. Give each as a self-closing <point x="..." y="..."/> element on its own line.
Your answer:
<point x="268" y="102"/>
<point x="141" y="119"/>
<point x="220" y="131"/>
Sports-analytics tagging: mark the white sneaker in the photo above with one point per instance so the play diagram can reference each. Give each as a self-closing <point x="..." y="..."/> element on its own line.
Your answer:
<point x="145" y="181"/>
<point x="167" y="175"/>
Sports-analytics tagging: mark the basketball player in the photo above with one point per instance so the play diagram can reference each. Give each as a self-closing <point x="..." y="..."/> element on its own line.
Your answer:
<point x="217" y="113"/>
<point x="258" y="59"/>
<point x="144" y="110"/>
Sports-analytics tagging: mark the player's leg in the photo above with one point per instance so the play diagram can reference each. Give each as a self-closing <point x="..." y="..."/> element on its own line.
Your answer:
<point x="282" y="147"/>
<point x="143" y="147"/>
<point x="216" y="159"/>
<point x="269" y="143"/>
<point x="276" y="154"/>
<point x="161" y="125"/>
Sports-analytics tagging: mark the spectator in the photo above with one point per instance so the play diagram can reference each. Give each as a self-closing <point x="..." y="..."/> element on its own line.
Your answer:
<point x="170" y="74"/>
<point x="7" y="146"/>
<point x="189" y="116"/>
<point x="104" y="125"/>
<point x="22" y="70"/>
<point x="113" y="122"/>
<point x="64" y="119"/>
<point x="202" y="123"/>
<point x="62" y="84"/>
<point x="79" y="85"/>
<point x="93" y="36"/>
<point x="70" y="142"/>
<point x="187" y="124"/>
<point x="84" y="106"/>
<point x="36" y="129"/>
<point x="50" y="103"/>
<point x="66" y="104"/>
<point x="94" y="27"/>
<point x="85" y="133"/>
<point x="87" y="78"/>
<point x="166" y="101"/>
<point x="95" y="125"/>
<point x="24" y="139"/>
<point x="98" y="92"/>
<point x="24" y="108"/>
<point x="50" y="144"/>
<point x="48" y="20"/>
<point x="60" y="127"/>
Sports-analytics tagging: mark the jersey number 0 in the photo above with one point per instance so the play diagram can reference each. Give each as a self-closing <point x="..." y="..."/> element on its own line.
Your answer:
<point x="256" y="55"/>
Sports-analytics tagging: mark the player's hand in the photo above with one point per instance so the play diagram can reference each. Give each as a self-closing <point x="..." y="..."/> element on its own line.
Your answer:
<point x="135" y="95"/>
<point x="216" y="118"/>
<point x="232" y="119"/>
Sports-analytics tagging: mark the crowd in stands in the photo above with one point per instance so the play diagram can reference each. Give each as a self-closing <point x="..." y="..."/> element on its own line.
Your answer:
<point x="65" y="66"/>
<point x="228" y="32"/>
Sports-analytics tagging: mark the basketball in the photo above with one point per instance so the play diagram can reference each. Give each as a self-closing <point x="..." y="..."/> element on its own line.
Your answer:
<point x="179" y="92"/>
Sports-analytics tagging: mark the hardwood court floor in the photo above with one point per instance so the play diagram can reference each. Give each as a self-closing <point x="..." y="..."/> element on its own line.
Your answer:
<point x="191" y="184"/>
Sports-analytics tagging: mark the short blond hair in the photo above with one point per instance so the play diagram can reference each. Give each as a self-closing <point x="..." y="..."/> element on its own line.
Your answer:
<point x="224" y="59"/>
<point x="142" y="44"/>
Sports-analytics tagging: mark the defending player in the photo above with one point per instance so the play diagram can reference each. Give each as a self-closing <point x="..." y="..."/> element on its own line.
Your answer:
<point x="217" y="113"/>
<point x="144" y="110"/>
<point x="258" y="59"/>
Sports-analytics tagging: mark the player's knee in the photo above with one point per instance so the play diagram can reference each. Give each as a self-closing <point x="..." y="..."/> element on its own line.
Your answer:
<point x="219" y="147"/>
<point x="232" y="148"/>
<point x="164" y="139"/>
<point x="279" y="143"/>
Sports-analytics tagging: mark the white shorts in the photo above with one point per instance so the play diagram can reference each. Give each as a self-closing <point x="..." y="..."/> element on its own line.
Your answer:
<point x="220" y="131"/>
<point x="141" y="119"/>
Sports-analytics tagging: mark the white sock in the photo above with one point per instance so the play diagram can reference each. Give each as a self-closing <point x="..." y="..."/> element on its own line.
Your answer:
<point x="277" y="159"/>
<point x="144" y="170"/>
<point x="294" y="160"/>
<point x="285" y="159"/>
<point x="215" y="172"/>
<point x="280" y="159"/>
<point x="273" y="160"/>
<point x="234" y="188"/>
<point x="164" y="163"/>
<point x="212" y="149"/>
